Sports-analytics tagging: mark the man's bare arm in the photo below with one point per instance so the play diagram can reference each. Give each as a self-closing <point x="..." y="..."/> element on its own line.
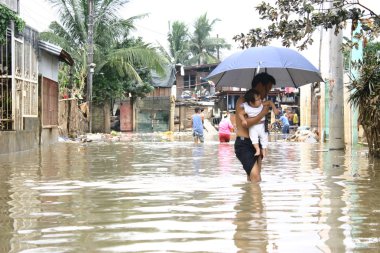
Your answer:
<point x="254" y="120"/>
<point x="271" y="104"/>
<point x="242" y="117"/>
<point x="241" y="114"/>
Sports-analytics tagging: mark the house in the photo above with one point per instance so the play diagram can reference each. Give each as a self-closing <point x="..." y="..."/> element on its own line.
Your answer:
<point x="154" y="112"/>
<point x="161" y="109"/>
<point x="190" y="89"/>
<point x="50" y="57"/>
<point x="191" y="82"/>
<point x="29" y="89"/>
<point x="193" y="90"/>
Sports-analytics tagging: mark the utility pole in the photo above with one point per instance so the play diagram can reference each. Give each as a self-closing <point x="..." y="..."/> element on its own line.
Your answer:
<point x="90" y="59"/>
<point x="336" y="114"/>
<point x="217" y="46"/>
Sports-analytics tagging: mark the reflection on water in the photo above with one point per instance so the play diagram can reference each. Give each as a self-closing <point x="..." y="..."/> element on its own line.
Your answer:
<point x="170" y="195"/>
<point x="251" y="224"/>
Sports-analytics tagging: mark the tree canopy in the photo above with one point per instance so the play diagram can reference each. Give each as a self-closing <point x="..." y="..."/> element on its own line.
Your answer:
<point x="118" y="56"/>
<point x="197" y="47"/>
<point x="178" y="39"/>
<point x="294" y="21"/>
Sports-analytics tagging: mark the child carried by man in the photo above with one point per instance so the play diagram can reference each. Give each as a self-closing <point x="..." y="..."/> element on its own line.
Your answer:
<point x="253" y="105"/>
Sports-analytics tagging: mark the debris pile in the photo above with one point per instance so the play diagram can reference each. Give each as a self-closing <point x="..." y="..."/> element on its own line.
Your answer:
<point x="304" y="135"/>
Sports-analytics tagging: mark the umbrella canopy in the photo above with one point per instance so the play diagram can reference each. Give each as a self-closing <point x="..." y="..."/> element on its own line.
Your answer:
<point x="287" y="66"/>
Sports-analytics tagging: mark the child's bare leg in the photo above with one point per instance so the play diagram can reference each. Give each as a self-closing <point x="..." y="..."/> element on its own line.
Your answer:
<point x="257" y="147"/>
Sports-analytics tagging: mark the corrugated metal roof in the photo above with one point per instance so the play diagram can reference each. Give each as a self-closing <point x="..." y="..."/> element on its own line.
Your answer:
<point x="57" y="51"/>
<point x="206" y="67"/>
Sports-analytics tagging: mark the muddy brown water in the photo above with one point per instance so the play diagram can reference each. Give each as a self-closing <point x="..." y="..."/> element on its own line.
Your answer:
<point x="154" y="193"/>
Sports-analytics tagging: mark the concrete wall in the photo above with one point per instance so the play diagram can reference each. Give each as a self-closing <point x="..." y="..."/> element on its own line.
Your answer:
<point x="101" y="118"/>
<point x="305" y="105"/>
<point x="48" y="66"/>
<point x="49" y="136"/>
<point x="15" y="141"/>
<point x="349" y="126"/>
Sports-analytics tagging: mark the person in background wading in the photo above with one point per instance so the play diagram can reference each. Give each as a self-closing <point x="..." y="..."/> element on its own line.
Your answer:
<point x="225" y="128"/>
<point x="197" y="125"/>
<point x="244" y="149"/>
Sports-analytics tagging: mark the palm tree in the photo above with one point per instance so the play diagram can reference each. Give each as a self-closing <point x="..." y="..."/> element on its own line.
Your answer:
<point x="110" y="32"/>
<point x="365" y="95"/>
<point x="178" y="39"/>
<point x="204" y="47"/>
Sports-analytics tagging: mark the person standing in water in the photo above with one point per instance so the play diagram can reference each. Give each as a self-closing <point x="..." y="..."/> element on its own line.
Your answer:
<point x="252" y="107"/>
<point x="197" y="125"/>
<point x="225" y="127"/>
<point x="244" y="149"/>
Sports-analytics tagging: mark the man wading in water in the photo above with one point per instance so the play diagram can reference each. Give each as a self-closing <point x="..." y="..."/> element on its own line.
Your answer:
<point x="244" y="149"/>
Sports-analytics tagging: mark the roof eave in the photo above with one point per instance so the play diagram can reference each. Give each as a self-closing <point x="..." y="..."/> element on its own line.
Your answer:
<point x="57" y="51"/>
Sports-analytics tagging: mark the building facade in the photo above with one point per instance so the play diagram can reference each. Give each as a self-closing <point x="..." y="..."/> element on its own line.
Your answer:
<point x="28" y="89"/>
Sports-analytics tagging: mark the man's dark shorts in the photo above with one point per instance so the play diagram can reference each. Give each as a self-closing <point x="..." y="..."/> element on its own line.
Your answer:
<point x="245" y="152"/>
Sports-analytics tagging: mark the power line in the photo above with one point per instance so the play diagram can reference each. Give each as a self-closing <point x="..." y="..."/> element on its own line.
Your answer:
<point x="151" y="30"/>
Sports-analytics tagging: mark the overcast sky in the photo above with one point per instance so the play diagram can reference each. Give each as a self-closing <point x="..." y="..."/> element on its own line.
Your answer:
<point x="236" y="16"/>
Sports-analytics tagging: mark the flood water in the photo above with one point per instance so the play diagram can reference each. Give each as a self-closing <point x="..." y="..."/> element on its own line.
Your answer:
<point x="159" y="194"/>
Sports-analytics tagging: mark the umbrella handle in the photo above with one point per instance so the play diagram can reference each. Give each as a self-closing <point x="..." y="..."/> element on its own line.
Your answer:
<point x="258" y="68"/>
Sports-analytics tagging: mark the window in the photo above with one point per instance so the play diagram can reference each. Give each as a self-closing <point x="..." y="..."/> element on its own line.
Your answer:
<point x="189" y="81"/>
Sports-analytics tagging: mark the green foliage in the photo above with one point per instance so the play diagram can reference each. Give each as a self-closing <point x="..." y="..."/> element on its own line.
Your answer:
<point x="365" y="95"/>
<point x="6" y="16"/>
<point x="116" y="81"/>
<point x="294" y="21"/>
<point x="178" y="39"/>
<point x="139" y="89"/>
<point x="106" y="88"/>
<point x="198" y="47"/>
<point x="202" y="46"/>
<point x="118" y="56"/>
<point x="109" y="85"/>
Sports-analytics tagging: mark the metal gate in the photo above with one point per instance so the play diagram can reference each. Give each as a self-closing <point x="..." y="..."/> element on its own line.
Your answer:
<point x="6" y="121"/>
<point x="18" y="79"/>
<point x="26" y="77"/>
<point x="153" y="120"/>
<point x="153" y="114"/>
